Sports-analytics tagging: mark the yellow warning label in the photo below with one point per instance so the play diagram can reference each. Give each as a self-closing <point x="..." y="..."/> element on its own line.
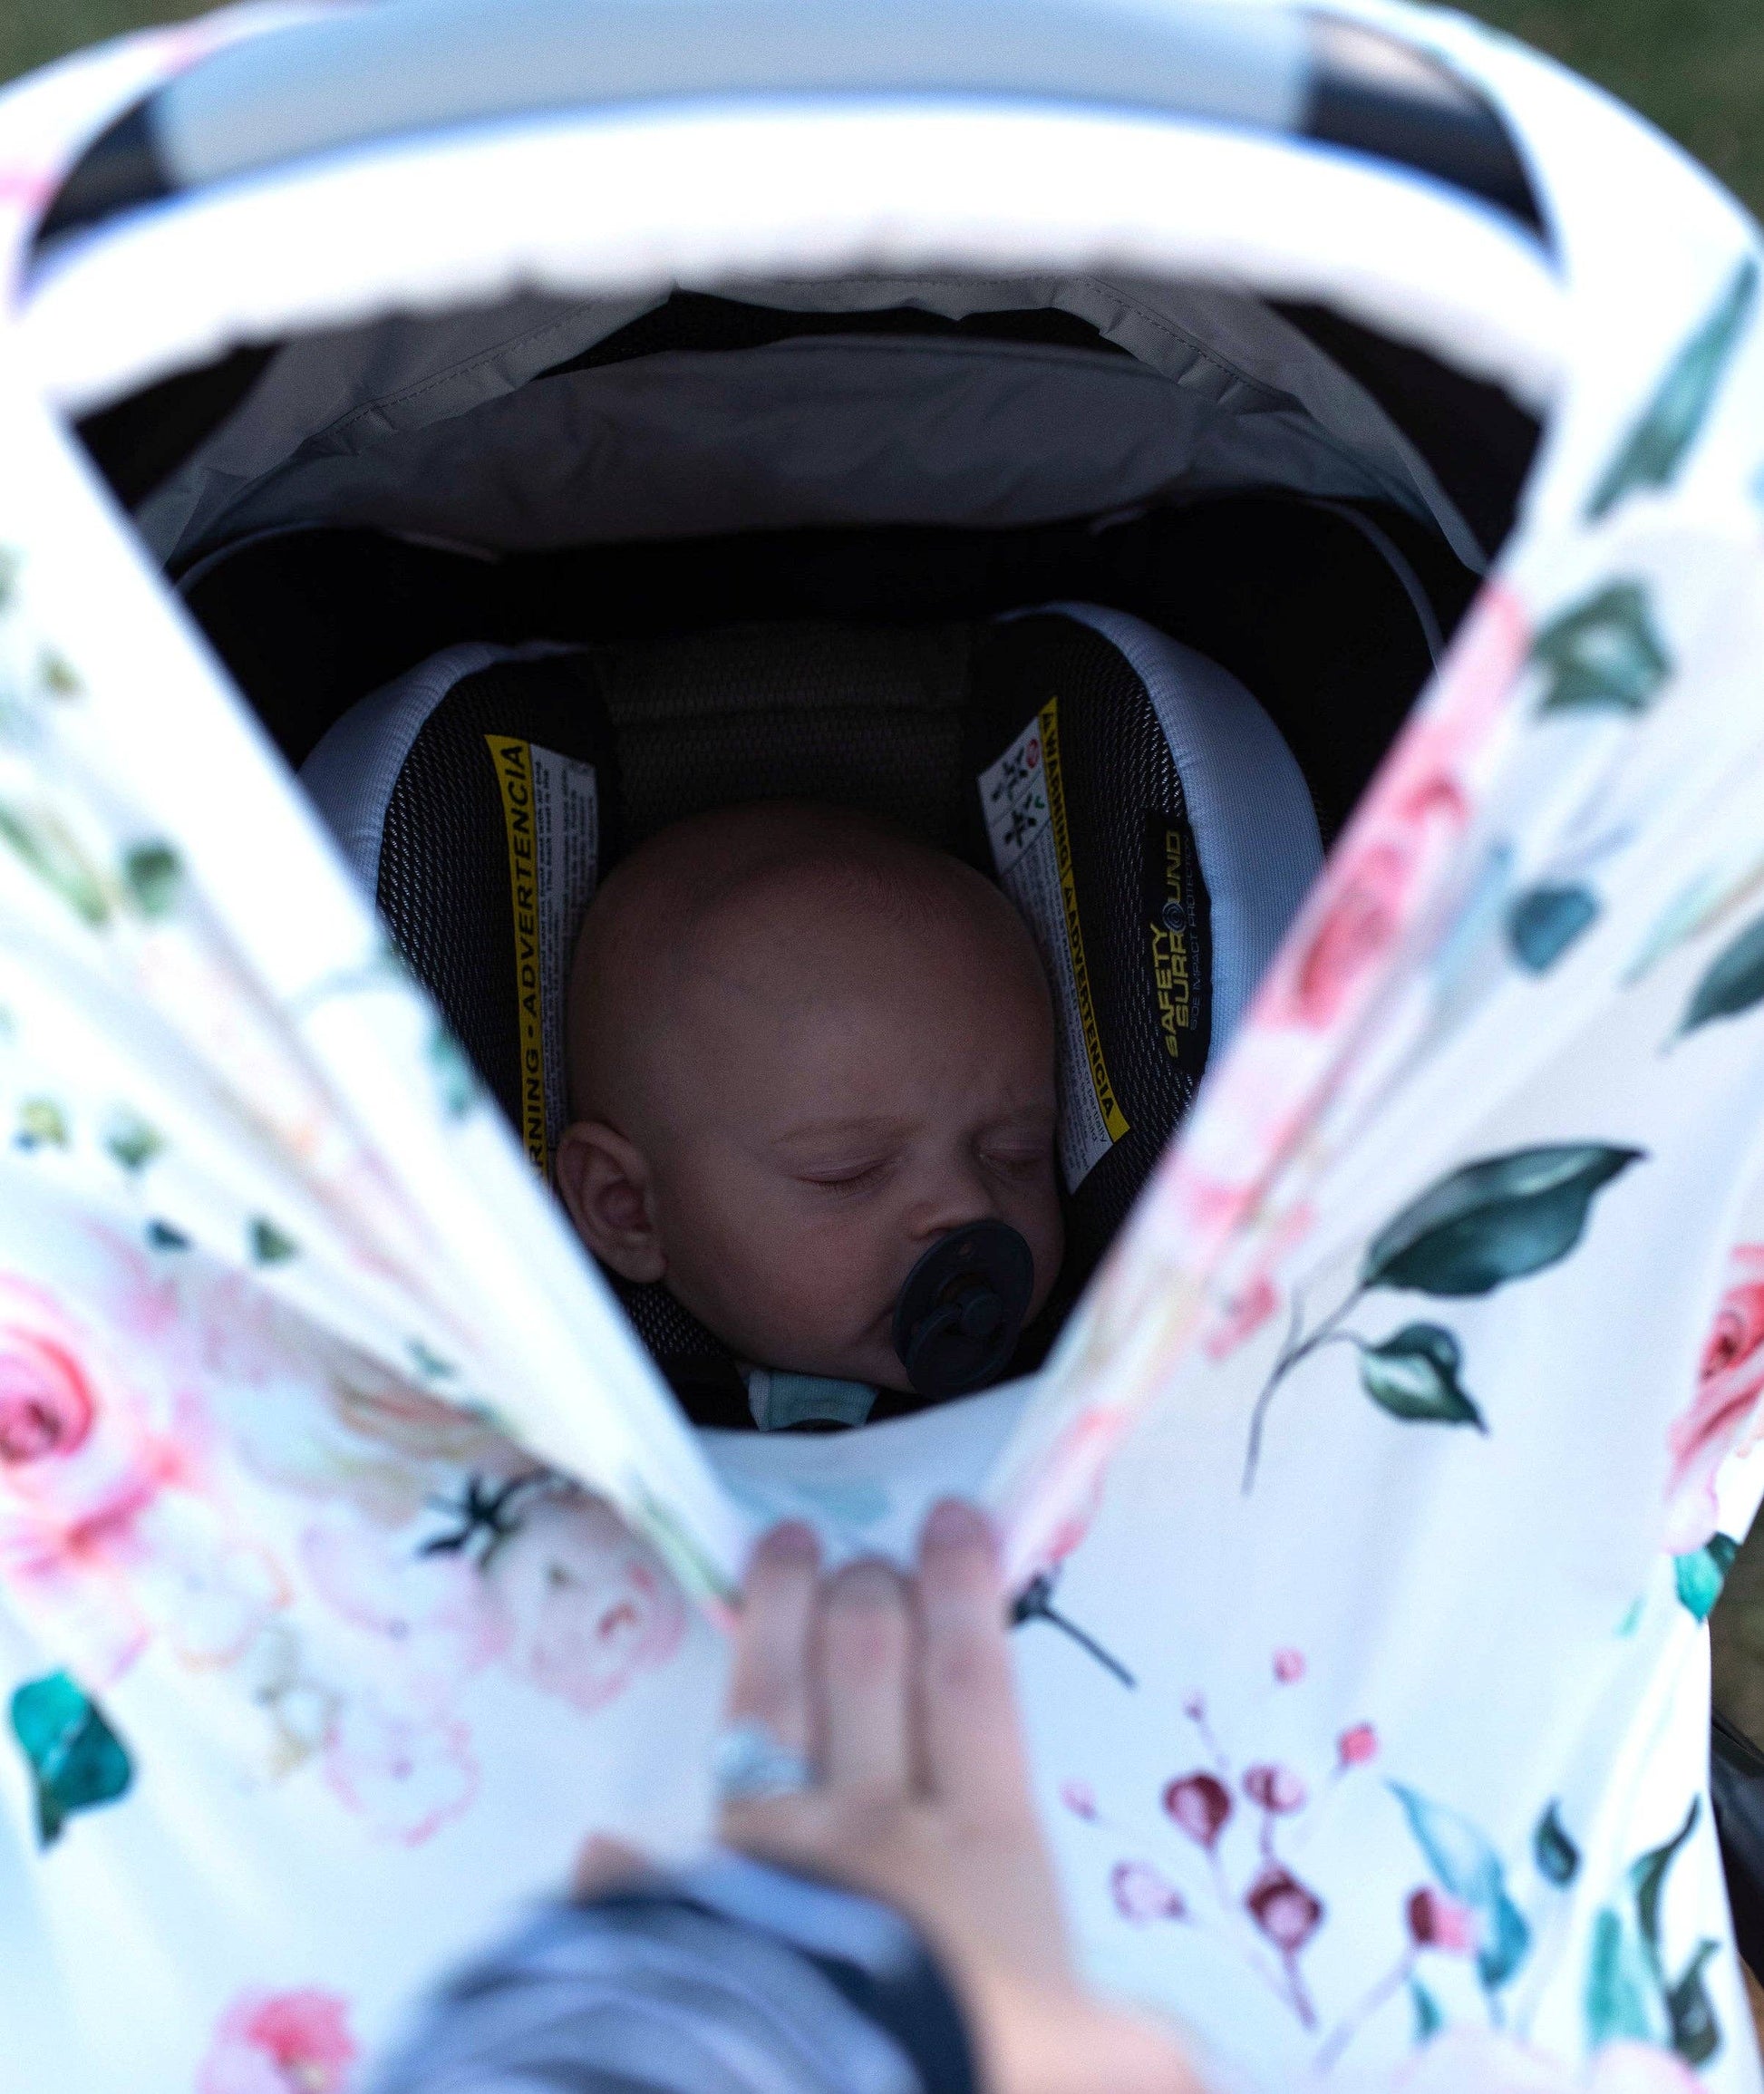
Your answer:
<point x="1113" y="1118"/>
<point x="514" y="773"/>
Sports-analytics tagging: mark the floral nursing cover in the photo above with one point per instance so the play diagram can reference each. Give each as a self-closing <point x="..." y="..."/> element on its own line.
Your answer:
<point x="1367" y="1520"/>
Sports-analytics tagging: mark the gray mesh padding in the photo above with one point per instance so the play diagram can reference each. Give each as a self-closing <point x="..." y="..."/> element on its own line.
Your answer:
<point x="863" y="718"/>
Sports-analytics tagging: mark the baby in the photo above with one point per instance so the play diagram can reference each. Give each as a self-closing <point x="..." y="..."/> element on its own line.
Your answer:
<point x="803" y="1046"/>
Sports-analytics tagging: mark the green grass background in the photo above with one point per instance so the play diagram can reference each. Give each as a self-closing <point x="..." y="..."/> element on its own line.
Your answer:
<point x="1695" y="66"/>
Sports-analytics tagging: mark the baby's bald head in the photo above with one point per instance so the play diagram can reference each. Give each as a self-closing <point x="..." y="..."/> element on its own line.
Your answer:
<point x="802" y="1045"/>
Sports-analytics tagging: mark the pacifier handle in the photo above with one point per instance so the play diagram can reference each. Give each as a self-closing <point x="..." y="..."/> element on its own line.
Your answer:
<point x="959" y="1314"/>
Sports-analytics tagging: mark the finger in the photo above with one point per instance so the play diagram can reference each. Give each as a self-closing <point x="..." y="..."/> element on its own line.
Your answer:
<point x="770" y="1682"/>
<point x="971" y="1739"/>
<point x="861" y="1658"/>
<point x="606" y="1864"/>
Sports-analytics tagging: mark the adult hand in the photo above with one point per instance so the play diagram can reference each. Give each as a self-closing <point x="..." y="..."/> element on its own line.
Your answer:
<point x="900" y="1695"/>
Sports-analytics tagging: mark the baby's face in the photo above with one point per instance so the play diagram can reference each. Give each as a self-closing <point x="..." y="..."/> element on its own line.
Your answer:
<point x="823" y="1085"/>
<point x="826" y="1132"/>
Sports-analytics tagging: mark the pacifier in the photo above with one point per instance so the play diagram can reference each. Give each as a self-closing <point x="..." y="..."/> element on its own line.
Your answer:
<point x="962" y="1308"/>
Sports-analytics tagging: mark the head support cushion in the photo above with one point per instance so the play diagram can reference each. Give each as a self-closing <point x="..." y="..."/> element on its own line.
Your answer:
<point x="1147" y="818"/>
<point x="1129" y="794"/>
<point x="474" y="798"/>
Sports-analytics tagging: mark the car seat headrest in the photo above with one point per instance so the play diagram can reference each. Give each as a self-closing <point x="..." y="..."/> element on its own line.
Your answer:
<point x="1129" y="795"/>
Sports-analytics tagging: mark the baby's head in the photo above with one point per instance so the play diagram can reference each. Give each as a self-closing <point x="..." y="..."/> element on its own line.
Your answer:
<point x="803" y="1046"/>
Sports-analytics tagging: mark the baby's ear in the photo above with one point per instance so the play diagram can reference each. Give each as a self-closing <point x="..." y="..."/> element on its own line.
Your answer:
<point x="604" y="1182"/>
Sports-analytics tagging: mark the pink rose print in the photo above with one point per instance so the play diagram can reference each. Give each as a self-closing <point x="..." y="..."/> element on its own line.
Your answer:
<point x="80" y="1467"/>
<point x="437" y="1612"/>
<point x="1199" y="1804"/>
<point x="1276" y="1788"/>
<point x="1288" y="1666"/>
<point x="406" y="1777"/>
<point x="592" y="1607"/>
<point x="1141" y="1894"/>
<point x="1080" y="1798"/>
<point x="1730" y="1380"/>
<point x="1244" y="1315"/>
<point x="280" y="2043"/>
<point x="1438" y="1922"/>
<point x="1357" y="1746"/>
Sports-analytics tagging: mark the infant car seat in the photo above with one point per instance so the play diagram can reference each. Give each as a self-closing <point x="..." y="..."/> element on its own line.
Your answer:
<point x="1129" y="795"/>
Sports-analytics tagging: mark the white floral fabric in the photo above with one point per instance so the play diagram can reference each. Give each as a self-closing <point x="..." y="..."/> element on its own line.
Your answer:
<point x="354" y="1563"/>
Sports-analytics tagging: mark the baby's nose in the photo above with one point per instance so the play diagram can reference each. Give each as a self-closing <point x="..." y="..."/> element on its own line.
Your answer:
<point x="957" y="1195"/>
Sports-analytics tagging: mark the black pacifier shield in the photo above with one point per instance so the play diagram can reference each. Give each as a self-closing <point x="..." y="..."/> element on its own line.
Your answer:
<point x="959" y="1314"/>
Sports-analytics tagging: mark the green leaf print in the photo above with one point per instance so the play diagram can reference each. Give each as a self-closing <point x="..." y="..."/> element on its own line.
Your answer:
<point x="51" y="852"/>
<point x="77" y="1761"/>
<point x="1654" y="448"/>
<point x="1696" y="2034"/>
<point x="1700" y="1575"/>
<point x="269" y="1244"/>
<point x="131" y="1141"/>
<point x="1556" y="1856"/>
<point x="1545" y="921"/>
<point x="1618" y="1986"/>
<point x="163" y="1236"/>
<point x="1733" y="982"/>
<point x="58" y="676"/>
<point x="42" y="1124"/>
<point x="1414" y="1375"/>
<point x="153" y="873"/>
<point x="455" y="1078"/>
<point x="1494" y="1221"/>
<point x="10" y="561"/>
<point x="1428" y="2019"/>
<point x="1470" y="1870"/>
<point x="1647" y="1881"/>
<point x="1604" y="654"/>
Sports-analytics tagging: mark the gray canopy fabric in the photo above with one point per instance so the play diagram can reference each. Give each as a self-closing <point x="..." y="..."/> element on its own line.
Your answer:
<point x="435" y="428"/>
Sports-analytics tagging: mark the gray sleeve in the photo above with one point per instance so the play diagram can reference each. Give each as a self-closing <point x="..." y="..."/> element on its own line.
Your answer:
<point x="662" y="1995"/>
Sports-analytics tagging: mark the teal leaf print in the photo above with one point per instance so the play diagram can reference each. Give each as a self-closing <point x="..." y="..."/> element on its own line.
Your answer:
<point x="77" y="1761"/>
<point x="1556" y="1856"/>
<point x="1414" y="1375"/>
<point x="1545" y="921"/>
<point x="1654" y="448"/>
<point x="269" y="1244"/>
<point x="51" y="853"/>
<point x="1618" y="1986"/>
<point x="1604" y="654"/>
<point x="1696" y="2034"/>
<point x="1647" y="1881"/>
<point x="163" y="1236"/>
<point x="10" y="561"/>
<point x="1700" y="1575"/>
<point x="153" y="873"/>
<point x="42" y="1124"/>
<point x="131" y="1141"/>
<point x="1494" y="1221"/>
<point x="1733" y="982"/>
<point x="1470" y="1870"/>
<point x="429" y="1365"/>
<point x="1428" y="2019"/>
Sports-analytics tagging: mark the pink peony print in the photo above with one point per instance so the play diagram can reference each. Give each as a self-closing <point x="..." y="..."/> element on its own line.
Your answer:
<point x="1141" y="1894"/>
<point x="1288" y="1666"/>
<point x="81" y="1465"/>
<point x="1199" y="1804"/>
<point x="438" y="1613"/>
<point x="1244" y="1315"/>
<point x="280" y="2043"/>
<point x="1438" y="1922"/>
<point x="405" y="1776"/>
<point x="1356" y="1746"/>
<point x="1080" y="1798"/>
<point x="591" y="1606"/>
<point x="1730" y="1381"/>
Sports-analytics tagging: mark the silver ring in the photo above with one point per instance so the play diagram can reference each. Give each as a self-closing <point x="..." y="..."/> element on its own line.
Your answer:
<point x="749" y="1765"/>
